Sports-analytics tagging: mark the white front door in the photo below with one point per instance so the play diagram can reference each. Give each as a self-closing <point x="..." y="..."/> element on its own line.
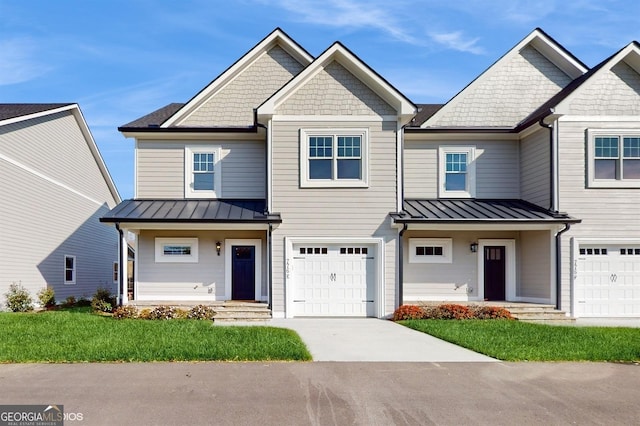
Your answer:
<point x="607" y="280"/>
<point x="333" y="280"/>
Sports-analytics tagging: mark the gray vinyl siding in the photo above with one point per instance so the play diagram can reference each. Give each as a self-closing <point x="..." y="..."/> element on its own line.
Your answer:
<point x="334" y="212"/>
<point x="190" y="281"/>
<point x="605" y="212"/>
<point x="535" y="168"/>
<point x="161" y="174"/>
<point x="497" y="168"/>
<point x="459" y="280"/>
<point x="51" y="203"/>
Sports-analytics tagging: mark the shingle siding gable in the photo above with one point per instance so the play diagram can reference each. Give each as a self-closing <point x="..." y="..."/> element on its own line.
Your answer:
<point x="614" y="92"/>
<point x="233" y="105"/>
<point x="335" y="91"/>
<point x="509" y="94"/>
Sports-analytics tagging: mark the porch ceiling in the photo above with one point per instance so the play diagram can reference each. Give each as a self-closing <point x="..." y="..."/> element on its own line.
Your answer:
<point x="478" y="212"/>
<point x="218" y="211"/>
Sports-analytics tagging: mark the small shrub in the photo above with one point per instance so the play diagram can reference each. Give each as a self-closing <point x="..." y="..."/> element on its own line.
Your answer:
<point x="163" y="312"/>
<point x="491" y="312"/>
<point x="18" y="298"/>
<point x="408" y="312"/>
<point x="82" y="302"/>
<point x="102" y="300"/>
<point x="145" y="314"/>
<point x="201" y="312"/>
<point x="127" y="311"/>
<point x="69" y="302"/>
<point x="181" y="314"/>
<point x="47" y="297"/>
<point x="450" y="311"/>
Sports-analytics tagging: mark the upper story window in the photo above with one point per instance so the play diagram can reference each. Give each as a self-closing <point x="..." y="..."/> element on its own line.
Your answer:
<point x="613" y="159"/>
<point x="202" y="172"/>
<point x="457" y="172"/>
<point x="334" y="158"/>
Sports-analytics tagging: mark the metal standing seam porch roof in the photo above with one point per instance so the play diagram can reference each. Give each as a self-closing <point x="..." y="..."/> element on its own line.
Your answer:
<point x="477" y="211"/>
<point x="191" y="211"/>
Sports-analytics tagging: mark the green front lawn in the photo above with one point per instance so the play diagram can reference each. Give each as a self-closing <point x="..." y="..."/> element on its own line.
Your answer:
<point x="522" y="341"/>
<point x="78" y="336"/>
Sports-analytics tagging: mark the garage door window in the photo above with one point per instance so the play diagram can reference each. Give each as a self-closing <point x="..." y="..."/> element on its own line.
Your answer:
<point x="630" y="251"/>
<point x="593" y="251"/>
<point x="353" y="250"/>
<point x="313" y="250"/>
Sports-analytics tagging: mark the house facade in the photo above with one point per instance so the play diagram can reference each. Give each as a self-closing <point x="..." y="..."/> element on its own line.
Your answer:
<point x="55" y="187"/>
<point x="314" y="185"/>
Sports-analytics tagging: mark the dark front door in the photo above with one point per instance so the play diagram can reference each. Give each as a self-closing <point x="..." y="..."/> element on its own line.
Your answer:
<point x="243" y="273"/>
<point x="494" y="273"/>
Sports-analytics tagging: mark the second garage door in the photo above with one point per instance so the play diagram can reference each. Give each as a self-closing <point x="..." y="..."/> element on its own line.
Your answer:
<point x="608" y="281"/>
<point x="334" y="280"/>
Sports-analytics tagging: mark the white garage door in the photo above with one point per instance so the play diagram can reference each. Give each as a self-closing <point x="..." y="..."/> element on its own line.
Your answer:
<point x="608" y="281"/>
<point x="333" y="280"/>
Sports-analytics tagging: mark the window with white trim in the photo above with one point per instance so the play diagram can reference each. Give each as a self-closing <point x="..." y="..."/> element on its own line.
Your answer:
<point x="202" y="172"/>
<point x="176" y="250"/>
<point x="613" y="159"/>
<point x="116" y="272"/>
<point x="70" y="269"/>
<point x="430" y="250"/>
<point x="457" y="177"/>
<point x="332" y="158"/>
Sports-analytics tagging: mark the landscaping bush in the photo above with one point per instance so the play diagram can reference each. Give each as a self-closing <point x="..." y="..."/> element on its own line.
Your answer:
<point x="69" y="302"/>
<point x="201" y="312"/>
<point x="144" y="314"/>
<point x="127" y="311"/>
<point x="163" y="312"/>
<point x="82" y="302"/>
<point x="102" y="300"/>
<point x="47" y="297"/>
<point x="18" y="298"/>
<point x="450" y="311"/>
<point x="407" y="312"/>
<point x="491" y="312"/>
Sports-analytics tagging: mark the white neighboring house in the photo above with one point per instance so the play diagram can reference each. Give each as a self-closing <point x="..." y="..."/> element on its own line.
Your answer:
<point x="54" y="186"/>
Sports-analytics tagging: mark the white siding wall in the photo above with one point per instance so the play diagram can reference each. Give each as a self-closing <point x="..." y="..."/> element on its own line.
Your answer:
<point x="160" y="168"/>
<point x="189" y="281"/>
<point x="54" y="212"/>
<point x="605" y="212"/>
<point x="334" y="212"/>
<point x="535" y="168"/>
<point x="497" y="168"/>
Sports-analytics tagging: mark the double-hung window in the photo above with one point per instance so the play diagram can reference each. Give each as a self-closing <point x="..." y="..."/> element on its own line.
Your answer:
<point x="69" y="269"/>
<point x="456" y="172"/>
<point x="202" y="172"/>
<point x="334" y="158"/>
<point x="614" y="159"/>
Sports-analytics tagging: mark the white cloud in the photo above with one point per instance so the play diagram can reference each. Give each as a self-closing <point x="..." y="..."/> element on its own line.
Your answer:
<point x="19" y="61"/>
<point x="456" y="41"/>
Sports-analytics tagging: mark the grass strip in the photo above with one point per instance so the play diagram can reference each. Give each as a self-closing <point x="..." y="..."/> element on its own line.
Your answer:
<point x="522" y="341"/>
<point x="78" y="336"/>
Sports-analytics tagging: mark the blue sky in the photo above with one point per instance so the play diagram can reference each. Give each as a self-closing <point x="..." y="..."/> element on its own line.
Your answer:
<point x="121" y="59"/>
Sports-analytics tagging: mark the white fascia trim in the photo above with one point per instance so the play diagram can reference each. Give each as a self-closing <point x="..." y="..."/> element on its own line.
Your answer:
<point x="187" y="226"/>
<point x="228" y="260"/>
<point x="435" y="226"/>
<point x="48" y="179"/>
<point x="634" y="119"/>
<point x="334" y="118"/>
<point x="510" y="266"/>
<point x="379" y="243"/>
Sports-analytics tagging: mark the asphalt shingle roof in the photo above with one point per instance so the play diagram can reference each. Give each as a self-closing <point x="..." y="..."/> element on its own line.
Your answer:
<point x="8" y="111"/>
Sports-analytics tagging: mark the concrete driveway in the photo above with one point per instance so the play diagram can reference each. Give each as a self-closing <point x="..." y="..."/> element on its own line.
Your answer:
<point x="373" y="340"/>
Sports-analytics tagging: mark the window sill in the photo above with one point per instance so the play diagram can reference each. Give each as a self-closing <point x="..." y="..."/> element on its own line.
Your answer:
<point x="611" y="184"/>
<point x="334" y="184"/>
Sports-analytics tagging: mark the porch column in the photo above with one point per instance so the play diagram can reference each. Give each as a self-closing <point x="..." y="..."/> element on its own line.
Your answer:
<point x="124" y="265"/>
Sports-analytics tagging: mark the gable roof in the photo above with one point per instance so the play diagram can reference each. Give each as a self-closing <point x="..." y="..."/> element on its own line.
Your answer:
<point x="339" y="53"/>
<point x="14" y="113"/>
<point x="565" y="65"/>
<point x="152" y="120"/>
<point x="275" y="38"/>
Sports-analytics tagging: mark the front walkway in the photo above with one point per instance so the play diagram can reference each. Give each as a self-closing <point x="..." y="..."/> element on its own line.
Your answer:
<point x="373" y="340"/>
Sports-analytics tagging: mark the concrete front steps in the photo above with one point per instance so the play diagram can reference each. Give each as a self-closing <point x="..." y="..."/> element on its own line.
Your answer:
<point x="226" y="311"/>
<point x="529" y="312"/>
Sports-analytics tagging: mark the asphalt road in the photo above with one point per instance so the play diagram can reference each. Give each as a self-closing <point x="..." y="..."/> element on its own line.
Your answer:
<point x="330" y="393"/>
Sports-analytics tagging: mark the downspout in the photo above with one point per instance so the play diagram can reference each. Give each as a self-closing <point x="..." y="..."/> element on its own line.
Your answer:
<point x="552" y="167"/>
<point x="567" y="226"/>
<point x="401" y="265"/>
<point x="120" y="266"/>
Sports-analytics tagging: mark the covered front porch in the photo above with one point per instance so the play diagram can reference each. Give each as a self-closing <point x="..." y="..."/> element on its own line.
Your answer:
<point x="200" y="251"/>
<point x="479" y="250"/>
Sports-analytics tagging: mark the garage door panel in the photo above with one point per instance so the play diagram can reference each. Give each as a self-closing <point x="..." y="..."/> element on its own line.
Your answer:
<point x="336" y="281"/>
<point x="608" y="281"/>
